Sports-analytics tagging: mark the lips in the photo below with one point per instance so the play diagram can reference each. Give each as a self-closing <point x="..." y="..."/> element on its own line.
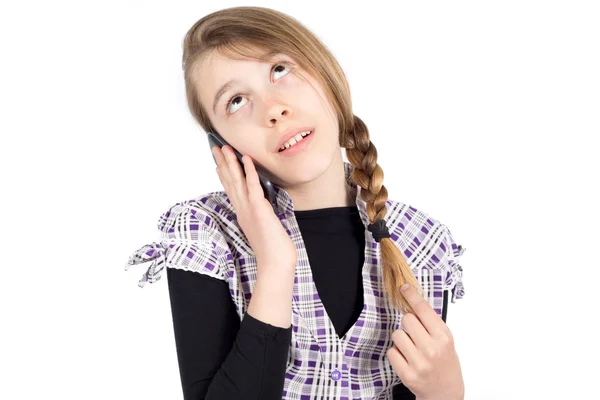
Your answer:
<point x="290" y="133"/>
<point x="295" y="144"/>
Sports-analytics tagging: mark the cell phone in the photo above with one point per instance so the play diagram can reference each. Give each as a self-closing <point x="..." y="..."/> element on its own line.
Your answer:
<point x="216" y="140"/>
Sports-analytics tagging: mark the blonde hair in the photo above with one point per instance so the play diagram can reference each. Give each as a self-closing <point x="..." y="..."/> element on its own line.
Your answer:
<point x="243" y="30"/>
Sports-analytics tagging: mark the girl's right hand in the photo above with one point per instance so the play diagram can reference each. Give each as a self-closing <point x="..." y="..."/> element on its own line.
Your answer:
<point x="272" y="246"/>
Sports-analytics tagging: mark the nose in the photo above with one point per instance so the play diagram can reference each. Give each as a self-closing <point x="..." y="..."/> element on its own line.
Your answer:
<point x="276" y="110"/>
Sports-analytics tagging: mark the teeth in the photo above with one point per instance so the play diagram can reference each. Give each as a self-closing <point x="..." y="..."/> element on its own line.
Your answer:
<point x="294" y="140"/>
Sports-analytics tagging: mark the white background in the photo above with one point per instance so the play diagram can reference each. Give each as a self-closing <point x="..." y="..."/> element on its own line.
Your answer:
<point x="485" y="115"/>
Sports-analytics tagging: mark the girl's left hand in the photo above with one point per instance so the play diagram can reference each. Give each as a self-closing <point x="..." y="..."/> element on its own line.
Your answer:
<point x="423" y="355"/>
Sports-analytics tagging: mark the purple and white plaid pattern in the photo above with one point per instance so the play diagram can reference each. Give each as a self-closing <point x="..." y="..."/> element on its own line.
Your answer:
<point x="202" y="235"/>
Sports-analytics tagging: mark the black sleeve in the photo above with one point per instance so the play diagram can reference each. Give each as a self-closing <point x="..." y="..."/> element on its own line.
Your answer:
<point x="219" y="357"/>
<point x="401" y="392"/>
<point x="445" y="307"/>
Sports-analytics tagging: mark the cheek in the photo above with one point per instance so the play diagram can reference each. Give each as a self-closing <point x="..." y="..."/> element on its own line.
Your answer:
<point x="310" y="101"/>
<point x="318" y="102"/>
<point x="253" y="148"/>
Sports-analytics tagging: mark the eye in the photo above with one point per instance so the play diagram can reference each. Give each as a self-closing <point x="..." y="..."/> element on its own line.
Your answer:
<point x="237" y="95"/>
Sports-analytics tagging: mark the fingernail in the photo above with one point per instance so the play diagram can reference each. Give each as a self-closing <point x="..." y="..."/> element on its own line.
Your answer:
<point x="404" y="287"/>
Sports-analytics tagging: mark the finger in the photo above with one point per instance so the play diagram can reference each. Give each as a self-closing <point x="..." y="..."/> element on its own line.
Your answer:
<point x="406" y="346"/>
<point x="398" y="362"/>
<point x="214" y="150"/>
<point x="236" y="175"/>
<point x="416" y="331"/>
<point x="221" y="162"/>
<point x="225" y="176"/>
<point x="222" y="166"/>
<point x="429" y="318"/>
<point x="255" y="191"/>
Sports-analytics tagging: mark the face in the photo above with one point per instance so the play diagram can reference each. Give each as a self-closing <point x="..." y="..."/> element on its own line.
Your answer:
<point x="267" y="100"/>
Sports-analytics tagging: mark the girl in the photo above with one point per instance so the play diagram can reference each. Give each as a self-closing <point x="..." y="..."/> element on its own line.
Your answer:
<point x="298" y="302"/>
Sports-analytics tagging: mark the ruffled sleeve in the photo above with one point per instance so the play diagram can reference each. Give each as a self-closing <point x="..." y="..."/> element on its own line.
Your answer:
<point x="454" y="278"/>
<point x="186" y="242"/>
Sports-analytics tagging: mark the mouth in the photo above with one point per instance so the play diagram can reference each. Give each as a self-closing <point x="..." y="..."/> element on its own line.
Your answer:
<point x="293" y="143"/>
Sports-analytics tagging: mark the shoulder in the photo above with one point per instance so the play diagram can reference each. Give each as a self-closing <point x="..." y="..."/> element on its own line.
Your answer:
<point x="406" y="219"/>
<point x="427" y="243"/>
<point x="198" y="226"/>
<point x="207" y="210"/>
<point x="192" y="238"/>
<point x="413" y="228"/>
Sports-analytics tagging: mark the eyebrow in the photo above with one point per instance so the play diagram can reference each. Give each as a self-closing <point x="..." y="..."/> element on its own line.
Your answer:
<point x="221" y="91"/>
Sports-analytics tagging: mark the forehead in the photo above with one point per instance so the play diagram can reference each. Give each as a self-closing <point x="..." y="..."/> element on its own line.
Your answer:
<point x="214" y="69"/>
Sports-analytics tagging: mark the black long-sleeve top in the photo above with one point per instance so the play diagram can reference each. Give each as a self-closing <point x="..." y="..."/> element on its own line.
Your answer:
<point x="221" y="358"/>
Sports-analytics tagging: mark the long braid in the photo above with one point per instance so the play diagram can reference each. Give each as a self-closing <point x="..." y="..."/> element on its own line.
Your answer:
<point x="362" y="154"/>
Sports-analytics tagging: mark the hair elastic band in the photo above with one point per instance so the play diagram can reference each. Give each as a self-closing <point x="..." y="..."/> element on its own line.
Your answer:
<point x="379" y="230"/>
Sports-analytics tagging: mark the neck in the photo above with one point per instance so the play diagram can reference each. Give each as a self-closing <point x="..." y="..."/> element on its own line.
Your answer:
<point x="311" y="196"/>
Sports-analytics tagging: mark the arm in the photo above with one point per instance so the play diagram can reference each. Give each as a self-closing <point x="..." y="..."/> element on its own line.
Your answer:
<point x="219" y="357"/>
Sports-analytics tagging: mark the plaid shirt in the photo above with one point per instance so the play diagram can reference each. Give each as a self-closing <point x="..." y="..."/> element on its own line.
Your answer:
<point x="202" y="235"/>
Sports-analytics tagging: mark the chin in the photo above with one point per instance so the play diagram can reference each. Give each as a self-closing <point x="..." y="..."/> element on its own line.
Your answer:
<point x="303" y="172"/>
